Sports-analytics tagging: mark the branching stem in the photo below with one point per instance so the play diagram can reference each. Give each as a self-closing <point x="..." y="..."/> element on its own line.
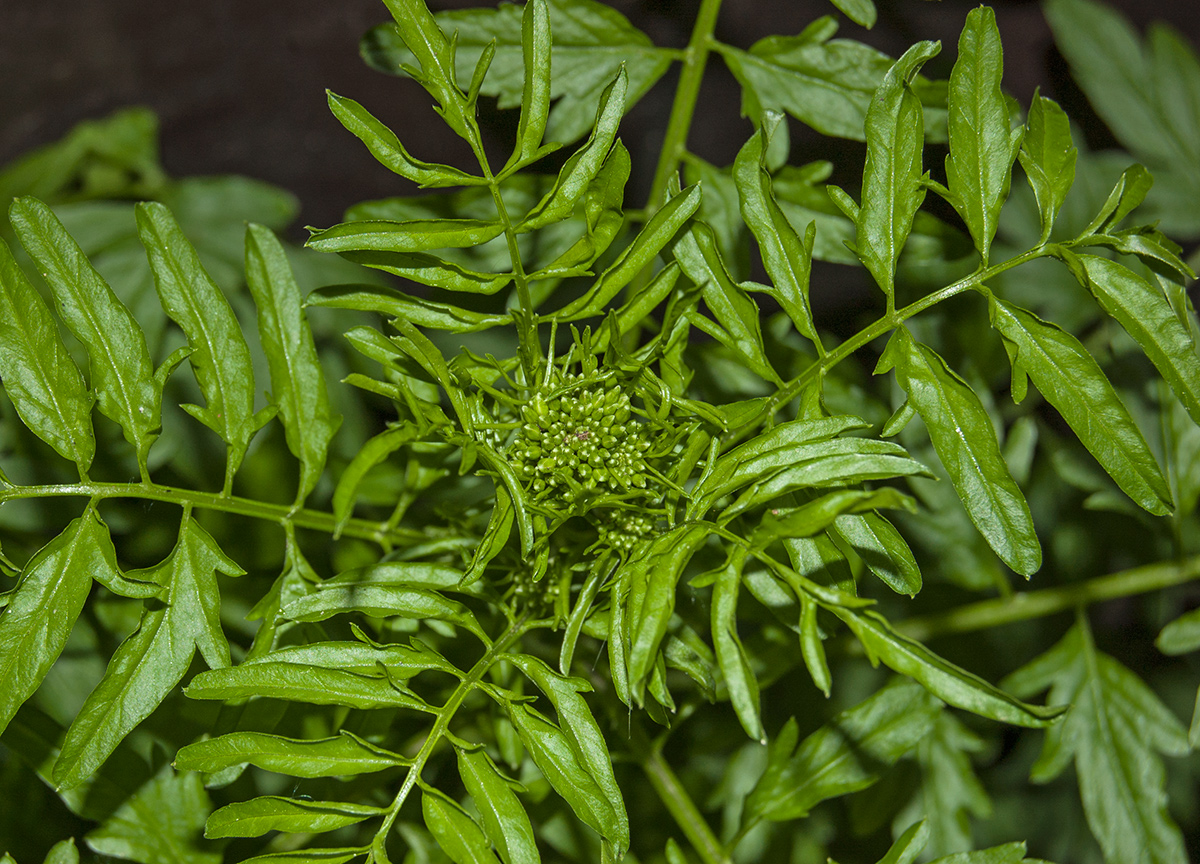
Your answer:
<point x="687" y="92"/>
<point x="873" y="331"/>
<point x="442" y="725"/>
<point x="282" y="514"/>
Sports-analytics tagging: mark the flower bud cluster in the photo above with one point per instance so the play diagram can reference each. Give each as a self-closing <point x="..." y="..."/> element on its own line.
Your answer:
<point x="584" y="440"/>
<point x="622" y="530"/>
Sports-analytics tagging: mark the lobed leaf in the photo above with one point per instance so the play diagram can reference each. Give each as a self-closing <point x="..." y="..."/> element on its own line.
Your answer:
<point x="505" y="821"/>
<point x="843" y="756"/>
<point x="219" y="357"/>
<point x="297" y="382"/>
<point x="300" y="682"/>
<point x="893" y="183"/>
<point x="1144" y="313"/>
<point x="965" y="441"/>
<point x="39" y="615"/>
<point x="536" y="52"/>
<point x="1074" y="384"/>
<point x="339" y="756"/>
<point x="1048" y="156"/>
<point x="982" y="145"/>
<point x="825" y="83"/>
<point x="786" y="256"/>
<point x="592" y="42"/>
<point x="39" y="376"/>
<point x="121" y="374"/>
<point x="1114" y="726"/>
<point x="257" y="816"/>
<point x="146" y="667"/>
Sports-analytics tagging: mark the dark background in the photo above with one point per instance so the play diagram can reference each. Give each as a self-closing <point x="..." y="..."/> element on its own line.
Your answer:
<point x="239" y="84"/>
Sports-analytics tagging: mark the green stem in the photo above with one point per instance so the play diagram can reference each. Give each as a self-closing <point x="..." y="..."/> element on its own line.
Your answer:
<point x="446" y="714"/>
<point x="687" y="92"/>
<point x="283" y="514"/>
<point x="873" y="331"/>
<point x="677" y="800"/>
<point x="1025" y="605"/>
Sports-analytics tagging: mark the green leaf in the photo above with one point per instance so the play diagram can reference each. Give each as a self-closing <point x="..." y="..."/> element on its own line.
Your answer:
<point x="1065" y="373"/>
<point x="430" y="270"/>
<point x="457" y="834"/>
<point x="386" y="147"/>
<point x="1181" y="636"/>
<point x="893" y="183"/>
<point x="882" y="549"/>
<point x="1146" y="94"/>
<point x="592" y="42"/>
<point x="419" y="31"/>
<point x="943" y="679"/>
<point x="1113" y="729"/>
<point x="536" y="52"/>
<point x="121" y="374"/>
<point x="401" y="661"/>
<point x="219" y="358"/>
<point x="39" y="376"/>
<point x="698" y="255"/>
<point x="583" y="166"/>
<point x="297" y="383"/>
<point x="323" y="855"/>
<point x="859" y="11"/>
<point x="159" y="823"/>
<point x="300" y="682"/>
<point x="405" y="238"/>
<point x="982" y="145"/>
<point x="257" y="816"/>
<point x="1048" y="156"/>
<point x="950" y="790"/>
<point x="651" y="240"/>
<point x="786" y="256"/>
<point x="825" y="83"/>
<point x="555" y="756"/>
<point x="965" y="442"/>
<point x="1144" y="312"/>
<point x="818" y="514"/>
<point x="380" y="601"/>
<point x="504" y="819"/>
<point x="376" y="450"/>
<point x="732" y="658"/>
<point x="425" y="313"/>
<point x="1009" y="853"/>
<point x="38" y="618"/>
<point x="908" y="845"/>
<point x="62" y="852"/>
<point x="843" y="756"/>
<point x="338" y="756"/>
<point x="811" y="647"/>
<point x="651" y="576"/>
<point x="146" y="667"/>
<point x="580" y="726"/>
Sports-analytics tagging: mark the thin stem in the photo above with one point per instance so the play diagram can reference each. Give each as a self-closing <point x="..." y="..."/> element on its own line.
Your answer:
<point x="676" y="799"/>
<point x="687" y="92"/>
<point x="1025" y="605"/>
<point x="530" y="347"/>
<point x="283" y="514"/>
<point x="446" y="714"/>
<point x="873" y="331"/>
